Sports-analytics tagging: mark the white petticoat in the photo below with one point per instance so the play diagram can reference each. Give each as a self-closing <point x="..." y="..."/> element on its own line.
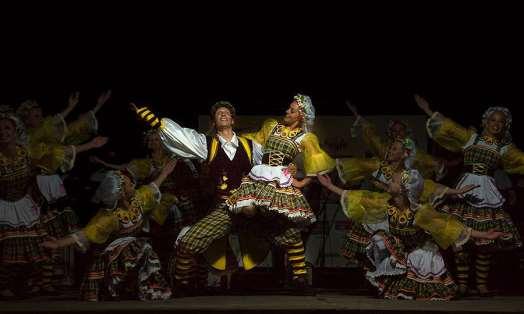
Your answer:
<point x="22" y="213"/>
<point x="425" y="262"/>
<point x="385" y="264"/>
<point x="51" y="187"/>
<point x="267" y="173"/>
<point x="124" y="241"/>
<point x="25" y="212"/>
<point x="486" y="195"/>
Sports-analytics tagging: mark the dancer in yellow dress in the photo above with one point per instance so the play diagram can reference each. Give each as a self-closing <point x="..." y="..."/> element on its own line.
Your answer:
<point x="119" y="254"/>
<point x="482" y="208"/>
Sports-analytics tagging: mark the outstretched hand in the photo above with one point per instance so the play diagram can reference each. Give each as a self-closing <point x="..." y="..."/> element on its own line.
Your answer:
<point x="324" y="179"/>
<point x="133" y="107"/>
<point x="50" y="245"/>
<point x="169" y="166"/>
<point x="292" y="168"/>
<point x="95" y="160"/>
<point x="102" y="99"/>
<point x="423" y="104"/>
<point x="73" y="100"/>
<point x="71" y="104"/>
<point x="352" y="108"/>
<point x="493" y="234"/>
<point x="98" y="141"/>
<point x="297" y="183"/>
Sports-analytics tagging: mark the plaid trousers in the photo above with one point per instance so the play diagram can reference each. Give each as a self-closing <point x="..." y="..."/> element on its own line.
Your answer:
<point x="221" y="222"/>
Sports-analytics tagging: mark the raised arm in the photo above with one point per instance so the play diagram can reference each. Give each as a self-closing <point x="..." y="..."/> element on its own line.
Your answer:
<point x="424" y="105"/>
<point x="370" y="136"/>
<point x="50" y="158"/>
<point x="96" y="142"/>
<point x="183" y="142"/>
<point x="98" y="230"/>
<point x="444" y="131"/>
<point x="166" y="171"/>
<point x="101" y="100"/>
<point x="446" y="230"/>
<point x="149" y="195"/>
<point x="97" y="160"/>
<point x="72" y="102"/>
<point x="325" y="180"/>
<point x="354" y="170"/>
<point x="263" y="133"/>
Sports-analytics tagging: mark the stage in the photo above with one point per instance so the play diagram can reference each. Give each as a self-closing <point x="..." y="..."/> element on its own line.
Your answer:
<point x="323" y="302"/>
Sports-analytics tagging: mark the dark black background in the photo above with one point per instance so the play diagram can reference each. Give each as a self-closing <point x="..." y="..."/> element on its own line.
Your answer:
<point x="181" y="59"/>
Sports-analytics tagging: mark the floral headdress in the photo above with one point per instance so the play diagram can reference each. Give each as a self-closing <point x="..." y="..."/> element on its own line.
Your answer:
<point x="412" y="185"/>
<point x="110" y="189"/>
<point x="509" y="119"/>
<point x="308" y="111"/>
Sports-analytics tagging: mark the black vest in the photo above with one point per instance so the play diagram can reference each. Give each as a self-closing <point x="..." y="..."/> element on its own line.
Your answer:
<point x="224" y="174"/>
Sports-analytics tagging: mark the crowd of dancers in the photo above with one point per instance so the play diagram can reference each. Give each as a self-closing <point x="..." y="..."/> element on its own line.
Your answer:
<point x="165" y="220"/>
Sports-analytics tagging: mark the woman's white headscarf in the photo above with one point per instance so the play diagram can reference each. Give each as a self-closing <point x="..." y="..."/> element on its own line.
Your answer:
<point x="308" y="111"/>
<point x="110" y="190"/>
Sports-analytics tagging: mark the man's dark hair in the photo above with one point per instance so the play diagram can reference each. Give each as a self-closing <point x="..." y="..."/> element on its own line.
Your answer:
<point x="222" y="104"/>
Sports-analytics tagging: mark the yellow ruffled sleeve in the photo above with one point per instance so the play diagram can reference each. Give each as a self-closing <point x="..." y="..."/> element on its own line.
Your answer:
<point x="372" y="140"/>
<point x="50" y="131"/>
<point x="262" y="135"/>
<point x="140" y="168"/>
<point x="148" y="196"/>
<point x="513" y="160"/>
<point x="51" y="158"/>
<point x="445" y="229"/>
<point x="100" y="227"/>
<point x="160" y="212"/>
<point x="81" y="130"/>
<point x="427" y="165"/>
<point x="433" y="192"/>
<point x="316" y="160"/>
<point x="365" y="206"/>
<point x="447" y="133"/>
<point x="354" y="170"/>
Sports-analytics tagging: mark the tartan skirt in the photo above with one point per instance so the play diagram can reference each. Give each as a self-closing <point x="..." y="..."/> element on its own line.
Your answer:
<point x="288" y="202"/>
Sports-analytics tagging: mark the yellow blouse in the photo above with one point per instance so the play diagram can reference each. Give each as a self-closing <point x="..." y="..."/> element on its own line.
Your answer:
<point x="364" y="206"/>
<point x="354" y="170"/>
<point x="51" y="131"/>
<point x="373" y="141"/>
<point x="81" y="130"/>
<point x="432" y="192"/>
<point x="454" y="137"/>
<point x="108" y="223"/>
<point x="140" y="168"/>
<point x="447" y="133"/>
<point x="262" y="135"/>
<point x="428" y="165"/>
<point x="445" y="229"/>
<point x="513" y="160"/>
<point x="50" y="145"/>
<point x="316" y="160"/>
<point x="370" y="207"/>
<point x="52" y="157"/>
<point x="424" y="162"/>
